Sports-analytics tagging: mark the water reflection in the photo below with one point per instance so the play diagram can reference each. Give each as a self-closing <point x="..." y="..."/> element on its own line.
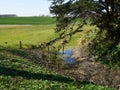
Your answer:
<point x="67" y="56"/>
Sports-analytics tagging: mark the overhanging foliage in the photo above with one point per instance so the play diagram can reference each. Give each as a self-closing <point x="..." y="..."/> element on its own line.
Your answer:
<point x="71" y="15"/>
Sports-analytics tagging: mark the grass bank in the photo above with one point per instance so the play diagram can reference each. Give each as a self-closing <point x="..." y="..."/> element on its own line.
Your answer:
<point x="17" y="73"/>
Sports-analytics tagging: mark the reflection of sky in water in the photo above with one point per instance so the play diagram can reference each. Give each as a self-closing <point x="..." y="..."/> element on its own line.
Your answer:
<point x="68" y="58"/>
<point x="67" y="52"/>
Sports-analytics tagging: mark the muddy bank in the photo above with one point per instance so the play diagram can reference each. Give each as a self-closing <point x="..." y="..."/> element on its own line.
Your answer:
<point x="95" y="72"/>
<point x="87" y="69"/>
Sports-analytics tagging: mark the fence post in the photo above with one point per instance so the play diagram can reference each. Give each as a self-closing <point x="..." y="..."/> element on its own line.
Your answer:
<point x="63" y="43"/>
<point x="20" y="44"/>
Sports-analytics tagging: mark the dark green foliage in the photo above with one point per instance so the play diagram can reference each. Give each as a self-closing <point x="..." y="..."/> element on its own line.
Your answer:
<point x="105" y="14"/>
<point x="108" y="22"/>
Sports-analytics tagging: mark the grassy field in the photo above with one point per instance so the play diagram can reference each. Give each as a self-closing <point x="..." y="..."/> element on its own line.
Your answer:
<point x="27" y="20"/>
<point x="10" y="35"/>
<point x="31" y="31"/>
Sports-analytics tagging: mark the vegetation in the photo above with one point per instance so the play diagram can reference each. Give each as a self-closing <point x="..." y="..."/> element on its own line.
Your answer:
<point x="18" y="69"/>
<point x="72" y="15"/>
<point x="10" y="35"/>
<point x="27" y="20"/>
<point x="18" y="73"/>
<point x="29" y="35"/>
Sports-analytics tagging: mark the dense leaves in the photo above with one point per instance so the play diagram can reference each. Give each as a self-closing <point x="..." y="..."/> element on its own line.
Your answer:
<point x="105" y="14"/>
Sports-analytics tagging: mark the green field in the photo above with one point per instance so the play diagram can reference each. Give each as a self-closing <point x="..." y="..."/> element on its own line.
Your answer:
<point x="20" y="73"/>
<point x="33" y="31"/>
<point x="27" y="20"/>
<point x="10" y="35"/>
<point x="29" y="30"/>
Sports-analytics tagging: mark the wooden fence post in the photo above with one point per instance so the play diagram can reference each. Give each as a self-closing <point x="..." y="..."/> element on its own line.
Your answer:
<point x="63" y="43"/>
<point x="20" y="44"/>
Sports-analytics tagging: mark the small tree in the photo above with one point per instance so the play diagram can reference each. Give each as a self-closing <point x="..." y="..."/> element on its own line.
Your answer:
<point x="71" y="15"/>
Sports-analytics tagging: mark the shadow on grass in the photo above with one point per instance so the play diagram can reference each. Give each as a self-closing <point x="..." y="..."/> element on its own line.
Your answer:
<point x="28" y="75"/>
<point x="37" y="76"/>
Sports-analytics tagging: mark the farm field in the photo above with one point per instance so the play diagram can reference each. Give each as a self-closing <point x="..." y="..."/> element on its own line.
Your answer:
<point x="10" y="35"/>
<point x="27" y="20"/>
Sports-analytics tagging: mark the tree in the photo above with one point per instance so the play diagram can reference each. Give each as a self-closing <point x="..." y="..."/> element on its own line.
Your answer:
<point x="71" y="15"/>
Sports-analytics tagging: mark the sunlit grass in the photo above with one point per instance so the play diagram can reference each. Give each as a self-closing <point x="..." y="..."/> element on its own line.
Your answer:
<point x="11" y="35"/>
<point x="29" y="35"/>
<point x="80" y="35"/>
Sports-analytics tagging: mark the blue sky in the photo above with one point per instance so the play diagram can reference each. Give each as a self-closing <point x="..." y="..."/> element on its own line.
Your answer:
<point x="25" y="7"/>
